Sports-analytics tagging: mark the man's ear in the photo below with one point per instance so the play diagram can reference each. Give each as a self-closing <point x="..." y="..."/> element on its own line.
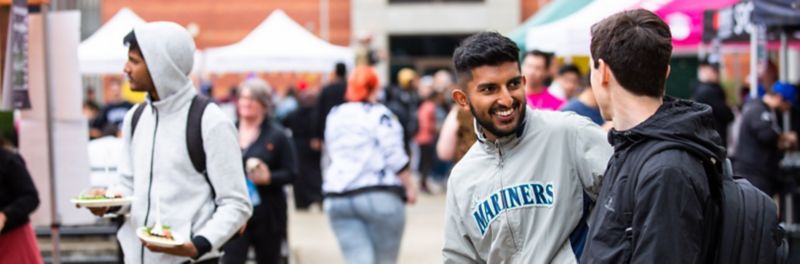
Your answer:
<point x="669" y="69"/>
<point x="605" y="73"/>
<point x="461" y="98"/>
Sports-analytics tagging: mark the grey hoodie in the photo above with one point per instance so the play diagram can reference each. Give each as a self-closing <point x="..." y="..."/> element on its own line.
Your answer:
<point x="523" y="198"/>
<point x="156" y="160"/>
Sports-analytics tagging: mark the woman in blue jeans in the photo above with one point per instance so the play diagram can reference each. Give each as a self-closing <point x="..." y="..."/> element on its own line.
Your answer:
<point x="368" y="181"/>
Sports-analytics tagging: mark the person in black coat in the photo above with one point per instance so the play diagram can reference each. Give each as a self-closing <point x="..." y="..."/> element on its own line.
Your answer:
<point x="271" y="163"/>
<point x="761" y="140"/>
<point x="308" y="185"/>
<point x="18" y="199"/>
<point x="330" y="96"/>
<point x="708" y="91"/>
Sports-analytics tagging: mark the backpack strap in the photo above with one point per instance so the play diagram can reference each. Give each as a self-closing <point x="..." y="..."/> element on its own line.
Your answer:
<point x="194" y="137"/>
<point x="194" y="133"/>
<point x="714" y="171"/>
<point x="137" y="113"/>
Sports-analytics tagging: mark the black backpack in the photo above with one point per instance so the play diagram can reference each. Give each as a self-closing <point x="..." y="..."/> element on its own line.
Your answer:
<point x="194" y="134"/>
<point x="747" y="228"/>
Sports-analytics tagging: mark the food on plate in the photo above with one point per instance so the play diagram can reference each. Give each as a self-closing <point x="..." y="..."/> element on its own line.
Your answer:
<point x="100" y="196"/>
<point x="163" y="233"/>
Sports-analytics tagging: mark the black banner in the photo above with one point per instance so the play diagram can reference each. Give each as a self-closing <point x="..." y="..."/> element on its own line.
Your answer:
<point x="734" y="24"/>
<point x="15" y="80"/>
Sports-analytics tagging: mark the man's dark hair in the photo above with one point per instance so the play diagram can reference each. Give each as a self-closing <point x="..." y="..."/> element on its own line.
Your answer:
<point x="132" y="43"/>
<point x="709" y="62"/>
<point x="481" y="49"/>
<point x="547" y="56"/>
<point x="569" y="68"/>
<point x="637" y="46"/>
<point x="341" y="70"/>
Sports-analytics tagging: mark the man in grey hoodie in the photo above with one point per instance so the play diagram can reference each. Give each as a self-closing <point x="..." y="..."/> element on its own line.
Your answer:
<point x="521" y="193"/>
<point x="156" y="166"/>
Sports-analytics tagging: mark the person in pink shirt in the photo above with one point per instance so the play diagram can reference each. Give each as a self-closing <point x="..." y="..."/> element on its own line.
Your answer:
<point x="534" y="67"/>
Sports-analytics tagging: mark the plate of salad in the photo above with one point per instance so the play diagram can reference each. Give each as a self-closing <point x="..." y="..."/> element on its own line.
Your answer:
<point x="101" y="200"/>
<point x="161" y="237"/>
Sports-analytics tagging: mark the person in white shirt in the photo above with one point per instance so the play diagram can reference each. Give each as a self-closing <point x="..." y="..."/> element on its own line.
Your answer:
<point x="368" y="179"/>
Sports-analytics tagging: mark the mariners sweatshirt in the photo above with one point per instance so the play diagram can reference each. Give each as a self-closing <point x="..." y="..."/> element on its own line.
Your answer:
<point x="523" y="198"/>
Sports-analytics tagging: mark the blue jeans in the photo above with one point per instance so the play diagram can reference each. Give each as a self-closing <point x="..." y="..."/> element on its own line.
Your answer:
<point x="369" y="226"/>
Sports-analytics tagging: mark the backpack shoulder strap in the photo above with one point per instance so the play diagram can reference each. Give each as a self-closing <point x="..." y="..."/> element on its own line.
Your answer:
<point x="194" y="133"/>
<point x="713" y="169"/>
<point x="137" y="113"/>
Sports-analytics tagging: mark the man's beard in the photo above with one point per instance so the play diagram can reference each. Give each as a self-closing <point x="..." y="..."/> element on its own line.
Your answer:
<point x="489" y="126"/>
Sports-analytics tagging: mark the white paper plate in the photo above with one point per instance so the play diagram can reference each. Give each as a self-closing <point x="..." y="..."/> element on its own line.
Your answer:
<point x="103" y="202"/>
<point x="157" y="241"/>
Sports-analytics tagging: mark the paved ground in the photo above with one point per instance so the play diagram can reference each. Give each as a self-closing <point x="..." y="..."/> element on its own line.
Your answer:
<point x="310" y="236"/>
<point x="312" y="240"/>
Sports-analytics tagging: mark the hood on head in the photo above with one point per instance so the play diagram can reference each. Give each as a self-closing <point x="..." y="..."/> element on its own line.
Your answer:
<point x="680" y="122"/>
<point x="168" y="49"/>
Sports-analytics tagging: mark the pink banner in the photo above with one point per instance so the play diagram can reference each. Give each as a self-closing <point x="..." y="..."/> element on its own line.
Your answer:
<point x="685" y="19"/>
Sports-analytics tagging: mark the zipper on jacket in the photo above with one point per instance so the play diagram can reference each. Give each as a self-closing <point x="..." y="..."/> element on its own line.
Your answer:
<point x="150" y="184"/>
<point x="500" y="160"/>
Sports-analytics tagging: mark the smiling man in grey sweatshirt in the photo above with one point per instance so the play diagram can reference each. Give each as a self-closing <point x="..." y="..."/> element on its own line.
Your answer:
<point x="520" y="194"/>
<point x="156" y="164"/>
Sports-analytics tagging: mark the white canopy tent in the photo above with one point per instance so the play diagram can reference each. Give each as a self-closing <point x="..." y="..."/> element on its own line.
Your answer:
<point x="104" y="52"/>
<point x="277" y="44"/>
<point x="571" y="35"/>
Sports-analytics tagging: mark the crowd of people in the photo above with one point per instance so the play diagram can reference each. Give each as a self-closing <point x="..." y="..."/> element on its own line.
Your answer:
<point x="531" y="151"/>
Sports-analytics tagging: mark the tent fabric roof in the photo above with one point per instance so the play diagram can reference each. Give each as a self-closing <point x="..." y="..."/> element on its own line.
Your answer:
<point x="553" y="11"/>
<point x="104" y="52"/>
<point x="277" y="44"/>
<point x="570" y="35"/>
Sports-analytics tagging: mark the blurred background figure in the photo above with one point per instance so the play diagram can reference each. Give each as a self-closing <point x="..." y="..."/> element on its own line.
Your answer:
<point x="761" y="141"/>
<point x="286" y="101"/>
<point x="585" y="104"/>
<point x="403" y="101"/>
<point x="270" y="161"/>
<point x="18" y="199"/>
<point x="113" y="112"/>
<point x="104" y="157"/>
<point x="535" y="68"/>
<point x="567" y="83"/>
<point x="307" y="187"/>
<point x="331" y="95"/>
<point x="425" y="137"/>
<point x="366" y="55"/>
<point x="709" y="91"/>
<point x="90" y="108"/>
<point x="369" y="177"/>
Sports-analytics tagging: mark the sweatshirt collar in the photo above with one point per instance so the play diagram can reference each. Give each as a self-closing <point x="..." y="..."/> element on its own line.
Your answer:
<point x="507" y="141"/>
<point x="174" y="102"/>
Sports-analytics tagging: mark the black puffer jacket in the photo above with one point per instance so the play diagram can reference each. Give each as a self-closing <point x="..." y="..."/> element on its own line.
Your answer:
<point x="669" y="209"/>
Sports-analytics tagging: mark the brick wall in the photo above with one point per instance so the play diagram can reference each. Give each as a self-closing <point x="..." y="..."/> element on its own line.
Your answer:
<point x="529" y="7"/>
<point x="226" y="22"/>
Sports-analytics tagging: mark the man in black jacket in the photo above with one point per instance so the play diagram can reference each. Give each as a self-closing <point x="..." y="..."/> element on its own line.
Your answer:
<point x="331" y="95"/>
<point x="708" y="91"/>
<point x="655" y="205"/>
<point x="761" y="141"/>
